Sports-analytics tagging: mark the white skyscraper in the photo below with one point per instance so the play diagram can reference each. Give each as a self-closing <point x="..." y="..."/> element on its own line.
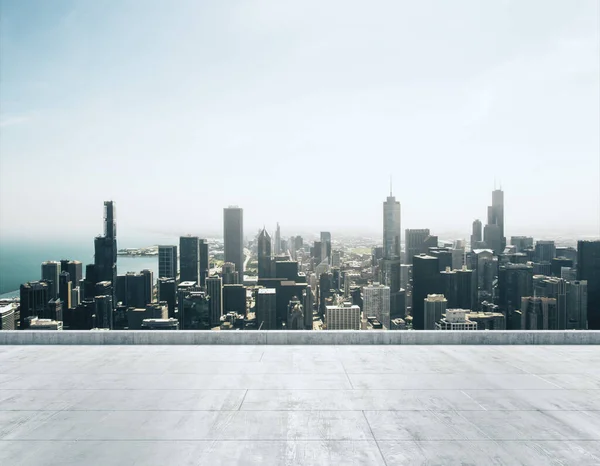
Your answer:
<point x="376" y="302"/>
<point x="343" y="317"/>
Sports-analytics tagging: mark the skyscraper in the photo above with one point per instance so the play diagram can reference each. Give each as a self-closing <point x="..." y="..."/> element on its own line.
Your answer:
<point x="189" y="259"/>
<point x="326" y="246"/>
<point x="545" y="251"/>
<point x="204" y="267"/>
<point x="391" y="228"/>
<point x="264" y="254"/>
<point x="496" y="217"/>
<point x="64" y="289"/>
<point x="577" y="305"/>
<point x="434" y="306"/>
<point x="233" y="232"/>
<point x="277" y="240"/>
<point x="515" y="281"/>
<point x="588" y="268"/>
<point x="167" y="261"/>
<point x="34" y="297"/>
<point x="266" y="309"/>
<point x="418" y="241"/>
<point x="50" y="272"/>
<point x="476" y="235"/>
<point x="343" y="317"/>
<point x="426" y="280"/>
<point x="376" y="302"/>
<point x="105" y="249"/>
<point x="214" y="290"/>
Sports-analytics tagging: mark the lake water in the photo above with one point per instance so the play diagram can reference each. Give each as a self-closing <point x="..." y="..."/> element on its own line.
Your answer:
<point x="20" y="262"/>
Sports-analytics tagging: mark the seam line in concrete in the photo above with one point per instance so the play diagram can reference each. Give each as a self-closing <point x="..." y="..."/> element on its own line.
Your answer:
<point x="373" y="435"/>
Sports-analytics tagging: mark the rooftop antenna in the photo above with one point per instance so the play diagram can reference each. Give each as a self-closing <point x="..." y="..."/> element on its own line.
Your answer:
<point x="390" y="185"/>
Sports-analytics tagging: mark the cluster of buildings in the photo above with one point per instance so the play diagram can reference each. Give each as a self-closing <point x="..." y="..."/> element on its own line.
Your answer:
<point x="290" y="283"/>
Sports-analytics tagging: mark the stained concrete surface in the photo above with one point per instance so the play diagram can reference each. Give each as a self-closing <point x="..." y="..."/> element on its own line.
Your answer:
<point x="299" y="405"/>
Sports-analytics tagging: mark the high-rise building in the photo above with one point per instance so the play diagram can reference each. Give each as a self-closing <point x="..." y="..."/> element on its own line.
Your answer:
<point x="277" y="245"/>
<point x="204" y="268"/>
<point x="64" y="289"/>
<point x="391" y="228"/>
<point x="229" y="274"/>
<point x="343" y="317"/>
<point x="515" y="281"/>
<point x="496" y="217"/>
<point x="418" y="241"/>
<point x="135" y="289"/>
<point x="167" y="292"/>
<point x="307" y="300"/>
<point x="376" y="302"/>
<point x="167" y="261"/>
<point x="105" y="249"/>
<point x="588" y="269"/>
<point x="34" y="297"/>
<point x="75" y="269"/>
<point x="295" y="314"/>
<point x="390" y="273"/>
<point x="214" y="290"/>
<point x="521" y="242"/>
<point x="434" y="307"/>
<point x="189" y="259"/>
<point x="266" y="309"/>
<point x="493" y="239"/>
<point x="50" y="272"/>
<point x="426" y="281"/>
<point x="476" y="234"/>
<point x="558" y="263"/>
<point x="577" y="305"/>
<point x="539" y="313"/>
<point x="234" y="299"/>
<point x="326" y="246"/>
<point x="233" y="232"/>
<point x="545" y="251"/>
<point x="104" y="311"/>
<point x="264" y="254"/>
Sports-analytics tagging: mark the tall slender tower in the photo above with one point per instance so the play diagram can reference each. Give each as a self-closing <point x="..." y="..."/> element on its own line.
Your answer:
<point x="233" y="233"/>
<point x="264" y="254"/>
<point x="189" y="259"/>
<point x="105" y="250"/>
<point x="391" y="227"/>
<point x="277" y="240"/>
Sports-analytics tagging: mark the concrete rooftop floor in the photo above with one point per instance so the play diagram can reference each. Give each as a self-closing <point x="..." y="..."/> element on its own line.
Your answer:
<point x="297" y="405"/>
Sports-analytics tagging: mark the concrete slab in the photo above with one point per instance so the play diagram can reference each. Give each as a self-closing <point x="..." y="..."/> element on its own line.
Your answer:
<point x="317" y="405"/>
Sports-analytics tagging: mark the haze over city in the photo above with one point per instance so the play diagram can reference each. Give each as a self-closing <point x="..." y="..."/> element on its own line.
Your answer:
<point x="297" y="113"/>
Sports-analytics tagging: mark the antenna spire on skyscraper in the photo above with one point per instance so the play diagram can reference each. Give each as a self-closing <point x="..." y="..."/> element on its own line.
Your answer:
<point x="390" y="185"/>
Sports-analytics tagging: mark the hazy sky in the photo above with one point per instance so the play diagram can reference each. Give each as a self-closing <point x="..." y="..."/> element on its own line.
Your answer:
<point x="298" y="112"/>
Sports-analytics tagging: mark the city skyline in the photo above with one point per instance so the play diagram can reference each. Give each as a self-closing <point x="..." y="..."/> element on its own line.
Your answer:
<point x="86" y="89"/>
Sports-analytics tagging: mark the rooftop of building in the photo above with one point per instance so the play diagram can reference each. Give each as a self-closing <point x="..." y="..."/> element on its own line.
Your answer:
<point x="327" y="404"/>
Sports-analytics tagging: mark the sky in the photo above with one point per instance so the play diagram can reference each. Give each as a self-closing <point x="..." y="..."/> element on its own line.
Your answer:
<point x="299" y="112"/>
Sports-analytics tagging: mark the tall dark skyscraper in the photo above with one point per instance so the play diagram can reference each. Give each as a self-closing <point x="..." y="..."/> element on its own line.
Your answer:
<point x="34" y="297"/>
<point x="204" y="268"/>
<point x="264" y="254"/>
<point x="64" y="289"/>
<point x="50" y="272"/>
<point x="105" y="249"/>
<point x="515" y="281"/>
<point x="496" y="217"/>
<point x="233" y="232"/>
<point x="214" y="290"/>
<point x="167" y="261"/>
<point x="189" y="259"/>
<point x="426" y="280"/>
<point x="391" y="228"/>
<point x="588" y="268"/>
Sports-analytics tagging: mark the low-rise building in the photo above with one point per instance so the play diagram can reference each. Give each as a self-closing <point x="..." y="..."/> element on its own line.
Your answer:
<point x="456" y="319"/>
